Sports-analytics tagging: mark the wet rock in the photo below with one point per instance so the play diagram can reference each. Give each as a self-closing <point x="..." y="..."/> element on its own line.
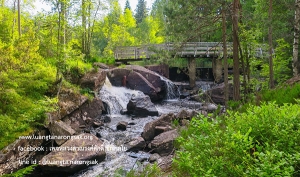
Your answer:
<point x="136" y="81"/>
<point x="77" y="159"/>
<point x="116" y="75"/>
<point x="59" y="128"/>
<point x="152" y="77"/>
<point x="150" y="132"/>
<point x="154" y="157"/>
<point x="138" y="78"/>
<point x="209" y="107"/>
<point x="141" y="156"/>
<point x="141" y="106"/>
<point x="184" y="95"/>
<point x="97" y="124"/>
<point x="93" y="80"/>
<point x="136" y="144"/>
<point x="106" y="119"/>
<point x="122" y="125"/>
<point x="163" y="143"/>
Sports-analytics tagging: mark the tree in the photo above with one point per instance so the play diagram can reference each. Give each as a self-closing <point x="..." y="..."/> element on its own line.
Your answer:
<point x="127" y="5"/>
<point x="19" y="19"/>
<point x="270" y="37"/>
<point x="224" y="37"/>
<point x="140" y="11"/>
<point x="296" y="65"/>
<point x="236" y="66"/>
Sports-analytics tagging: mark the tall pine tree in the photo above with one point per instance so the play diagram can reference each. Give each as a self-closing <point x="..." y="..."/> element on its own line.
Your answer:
<point x="140" y="11"/>
<point x="127" y="6"/>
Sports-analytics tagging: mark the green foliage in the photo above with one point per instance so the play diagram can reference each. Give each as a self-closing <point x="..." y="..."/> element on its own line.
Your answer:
<point x="21" y="173"/>
<point x="283" y="94"/>
<point x="141" y="11"/>
<point x="263" y="141"/>
<point x="281" y="62"/>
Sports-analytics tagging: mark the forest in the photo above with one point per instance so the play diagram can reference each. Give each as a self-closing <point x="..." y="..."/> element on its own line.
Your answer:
<point x="257" y="136"/>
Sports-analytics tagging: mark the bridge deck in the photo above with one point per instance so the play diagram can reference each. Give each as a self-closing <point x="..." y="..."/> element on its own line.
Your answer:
<point x="186" y="50"/>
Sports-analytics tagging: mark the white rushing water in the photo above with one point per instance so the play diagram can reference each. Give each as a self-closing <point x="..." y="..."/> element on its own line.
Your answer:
<point x="172" y="90"/>
<point x="116" y="98"/>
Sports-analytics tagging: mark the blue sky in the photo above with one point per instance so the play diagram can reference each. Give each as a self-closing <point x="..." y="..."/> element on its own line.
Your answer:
<point x="40" y="5"/>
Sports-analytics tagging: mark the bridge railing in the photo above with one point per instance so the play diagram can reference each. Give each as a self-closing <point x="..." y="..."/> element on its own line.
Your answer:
<point x="185" y="50"/>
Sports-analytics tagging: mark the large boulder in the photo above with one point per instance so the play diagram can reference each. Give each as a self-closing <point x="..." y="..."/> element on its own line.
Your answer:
<point x="136" y="81"/>
<point x="217" y="93"/>
<point x="68" y="102"/>
<point x="74" y="155"/>
<point x="136" y="144"/>
<point x="151" y="77"/>
<point x="93" y="80"/>
<point x="163" y="143"/>
<point x="59" y="128"/>
<point x="139" y="78"/>
<point x="89" y="110"/>
<point x="152" y="129"/>
<point x="18" y="154"/>
<point x="141" y="106"/>
<point x="161" y="69"/>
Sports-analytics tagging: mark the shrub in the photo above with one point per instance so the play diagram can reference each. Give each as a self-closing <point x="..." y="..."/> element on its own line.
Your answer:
<point x="283" y="94"/>
<point x="263" y="141"/>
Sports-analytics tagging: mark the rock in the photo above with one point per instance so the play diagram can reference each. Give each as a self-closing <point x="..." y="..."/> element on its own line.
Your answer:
<point x="122" y="125"/>
<point x="14" y="157"/>
<point x="209" y="107"/>
<point x="97" y="124"/>
<point x="152" y="77"/>
<point x="68" y="161"/>
<point x="183" y="114"/>
<point x="163" y="143"/>
<point x="141" y="106"/>
<point x="150" y="131"/>
<point x="106" y="119"/>
<point x="85" y="114"/>
<point x="69" y="101"/>
<point x="161" y="69"/>
<point x="59" y="128"/>
<point x="139" y="78"/>
<point x="184" y="95"/>
<point x="100" y="65"/>
<point x="161" y="129"/>
<point x="154" y="157"/>
<point x="116" y="75"/>
<point x="136" y="81"/>
<point x="216" y="93"/>
<point x="93" y="80"/>
<point x="136" y="144"/>
<point x="165" y="163"/>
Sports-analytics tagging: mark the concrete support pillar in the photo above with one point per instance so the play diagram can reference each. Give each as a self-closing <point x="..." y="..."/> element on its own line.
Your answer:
<point x="217" y="69"/>
<point x="192" y="71"/>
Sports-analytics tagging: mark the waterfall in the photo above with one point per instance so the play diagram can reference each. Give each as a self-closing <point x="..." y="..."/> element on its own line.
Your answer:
<point x="116" y="98"/>
<point x="172" y="89"/>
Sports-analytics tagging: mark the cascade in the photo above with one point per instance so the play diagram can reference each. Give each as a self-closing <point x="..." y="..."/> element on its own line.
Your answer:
<point x="172" y="89"/>
<point x="116" y="98"/>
